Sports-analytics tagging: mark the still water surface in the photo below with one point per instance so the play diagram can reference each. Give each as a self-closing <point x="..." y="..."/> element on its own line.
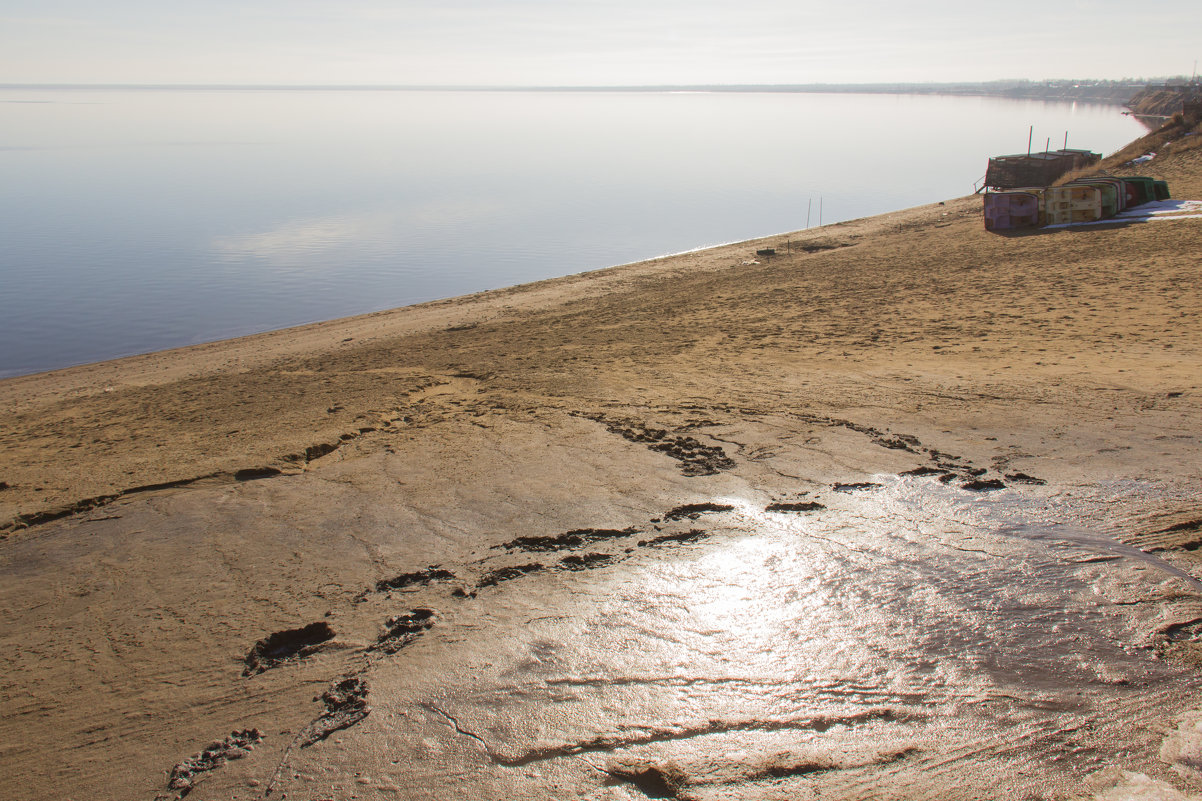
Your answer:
<point x="133" y="221"/>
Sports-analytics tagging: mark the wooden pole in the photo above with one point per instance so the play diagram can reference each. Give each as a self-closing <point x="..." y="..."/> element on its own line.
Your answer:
<point x="1030" y="134"/>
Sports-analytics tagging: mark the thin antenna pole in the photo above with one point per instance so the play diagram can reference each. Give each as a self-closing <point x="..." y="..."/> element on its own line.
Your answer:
<point x="1066" y="140"/>
<point x="1048" y="147"/>
<point x="1030" y="134"/>
<point x="820" y="211"/>
<point x="809" y="208"/>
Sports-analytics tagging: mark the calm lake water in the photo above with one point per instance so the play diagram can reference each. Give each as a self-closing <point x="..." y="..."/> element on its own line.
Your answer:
<point x="133" y="221"/>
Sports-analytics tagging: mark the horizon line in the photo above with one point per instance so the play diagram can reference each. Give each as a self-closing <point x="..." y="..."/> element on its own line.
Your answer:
<point x="664" y="87"/>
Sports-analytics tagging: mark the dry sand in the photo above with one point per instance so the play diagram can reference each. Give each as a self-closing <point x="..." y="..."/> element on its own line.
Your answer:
<point x="163" y="513"/>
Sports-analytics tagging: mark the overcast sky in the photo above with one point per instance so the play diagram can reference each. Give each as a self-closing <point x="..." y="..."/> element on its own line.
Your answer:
<point x="591" y="42"/>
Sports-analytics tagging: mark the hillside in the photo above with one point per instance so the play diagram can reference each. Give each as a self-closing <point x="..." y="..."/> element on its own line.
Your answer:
<point x="1162" y="101"/>
<point x="1176" y="147"/>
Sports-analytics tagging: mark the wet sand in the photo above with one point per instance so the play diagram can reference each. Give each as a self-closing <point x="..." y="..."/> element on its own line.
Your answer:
<point x="905" y="510"/>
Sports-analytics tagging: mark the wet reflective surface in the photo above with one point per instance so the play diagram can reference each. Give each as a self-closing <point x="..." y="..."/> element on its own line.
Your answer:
<point x="909" y="639"/>
<point x="895" y="637"/>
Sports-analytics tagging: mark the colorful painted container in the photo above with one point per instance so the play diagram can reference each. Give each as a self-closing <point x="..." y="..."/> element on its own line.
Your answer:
<point x="1070" y="204"/>
<point x="1112" y="193"/>
<point x="1011" y="210"/>
<point x="1038" y="192"/>
<point x="1120" y="188"/>
<point x="1145" y="188"/>
<point x="1132" y="194"/>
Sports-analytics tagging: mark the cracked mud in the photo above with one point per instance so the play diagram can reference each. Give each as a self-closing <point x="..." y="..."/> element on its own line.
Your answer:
<point x="696" y="458"/>
<point x="416" y="578"/>
<point x="401" y="630"/>
<point x="185" y="775"/>
<point x="345" y="705"/>
<point x="576" y="538"/>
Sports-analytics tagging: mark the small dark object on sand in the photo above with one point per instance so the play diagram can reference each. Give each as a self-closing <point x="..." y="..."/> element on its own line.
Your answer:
<point x="284" y="645"/>
<point x="794" y="506"/>
<point x="185" y="774"/>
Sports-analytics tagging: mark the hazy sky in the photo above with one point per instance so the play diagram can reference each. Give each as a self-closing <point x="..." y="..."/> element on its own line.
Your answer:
<point x="591" y="42"/>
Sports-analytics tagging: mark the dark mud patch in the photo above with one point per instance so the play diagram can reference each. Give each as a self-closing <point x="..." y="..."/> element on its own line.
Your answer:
<point x="949" y="467"/>
<point x="1181" y="631"/>
<point x="1023" y="478"/>
<point x="611" y="742"/>
<point x="346" y="705"/>
<point x="656" y="779"/>
<point x="858" y="486"/>
<point x="788" y="770"/>
<point x="653" y="781"/>
<point x="923" y="472"/>
<point x="785" y="766"/>
<point x="683" y="537"/>
<point x="819" y="246"/>
<point x="576" y="538"/>
<point x="586" y="562"/>
<point x="897" y="442"/>
<point x="321" y="449"/>
<point x="30" y="519"/>
<point x="401" y="630"/>
<point x="692" y="511"/>
<point x="885" y="439"/>
<point x="283" y="646"/>
<point x="255" y="473"/>
<point x="794" y="506"/>
<point x="495" y="577"/>
<point x="1180" y="642"/>
<point x="420" y="577"/>
<point x="1177" y="537"/>
<point x="314" y="452"/>
<point x="1188" y="525"/>
<point x="184" y="776"/>
<point x="983" y="485"/>
<point x="695" y="457"/>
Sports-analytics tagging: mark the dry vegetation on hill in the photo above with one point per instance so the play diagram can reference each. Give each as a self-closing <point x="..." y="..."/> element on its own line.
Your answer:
<point x="1177" y="144"/>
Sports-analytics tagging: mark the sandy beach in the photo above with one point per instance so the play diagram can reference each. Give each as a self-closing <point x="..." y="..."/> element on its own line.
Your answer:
<point x="907" y="509"/>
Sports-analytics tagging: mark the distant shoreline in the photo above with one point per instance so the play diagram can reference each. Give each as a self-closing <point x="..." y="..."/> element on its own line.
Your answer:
<point x="1102" y="92"/>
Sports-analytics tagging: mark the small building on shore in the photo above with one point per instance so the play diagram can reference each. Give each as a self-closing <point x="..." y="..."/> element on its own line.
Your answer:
<point x="1036" y="169"/>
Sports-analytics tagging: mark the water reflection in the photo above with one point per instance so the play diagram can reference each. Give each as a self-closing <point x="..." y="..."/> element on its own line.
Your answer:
<point x="123" y="212"/>
<point x="916" y="626"/>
